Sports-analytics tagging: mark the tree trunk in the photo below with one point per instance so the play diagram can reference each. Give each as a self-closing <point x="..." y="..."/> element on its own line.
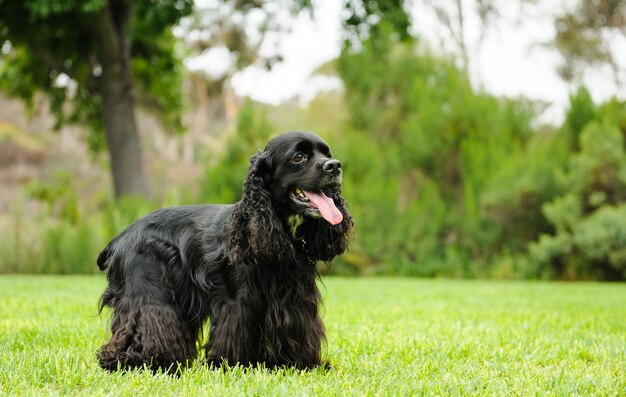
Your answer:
<point x="118" y="107"/>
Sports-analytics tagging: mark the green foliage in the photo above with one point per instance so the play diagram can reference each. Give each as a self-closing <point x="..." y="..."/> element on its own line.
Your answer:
<point x="581" y="111"/>
<point x="67" y="248"/>
<point x="589" y="220"/>
<point x="63" y="236"/>
<point x="384" y="337"/>
<point x="517" y="189"/>
<point x="163" y="95"/>
<point x="374" y="20"/>
<point x="41" y="9"/>
<point x="58" y="196"/>
<point x="157" y="67"/>
<point x="465" y="180"/>
<point x="583" y="36"/>
<point x="51" y="42"/>
<point x="598" y="171"/>
<point x="224" y="175"/>
<point x="592" y="248"/>
<point x="601" y="238"/>
<point x="436" y="146"/>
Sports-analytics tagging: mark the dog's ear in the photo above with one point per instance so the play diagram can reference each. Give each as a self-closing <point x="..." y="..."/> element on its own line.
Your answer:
<point x="324" y="241"/>
<point x="256" y="234"/>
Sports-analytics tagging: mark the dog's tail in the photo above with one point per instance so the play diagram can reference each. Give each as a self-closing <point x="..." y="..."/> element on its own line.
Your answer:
<point x="103" y="258"/>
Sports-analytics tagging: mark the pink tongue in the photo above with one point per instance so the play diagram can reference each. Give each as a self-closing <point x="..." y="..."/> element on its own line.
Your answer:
<point x="326" y="206"/>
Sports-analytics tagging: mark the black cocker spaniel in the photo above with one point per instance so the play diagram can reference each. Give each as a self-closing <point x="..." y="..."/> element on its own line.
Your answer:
<point x="248" y="267"/>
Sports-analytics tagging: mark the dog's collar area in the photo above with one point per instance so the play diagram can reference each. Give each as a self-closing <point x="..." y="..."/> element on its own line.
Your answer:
<point x="306" y="251"/>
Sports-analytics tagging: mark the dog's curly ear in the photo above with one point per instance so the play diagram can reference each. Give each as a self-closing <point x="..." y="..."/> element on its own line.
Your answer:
<point x="256" y="234"/>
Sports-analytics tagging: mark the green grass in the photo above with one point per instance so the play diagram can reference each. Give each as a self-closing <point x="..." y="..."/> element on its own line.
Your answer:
<point x="385" y="337"/>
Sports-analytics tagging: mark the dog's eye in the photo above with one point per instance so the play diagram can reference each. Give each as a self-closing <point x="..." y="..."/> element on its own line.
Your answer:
<point x="298" y="158"/>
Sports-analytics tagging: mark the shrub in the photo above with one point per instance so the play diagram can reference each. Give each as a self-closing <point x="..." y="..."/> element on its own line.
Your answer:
<point x="594" y="248"/>
<point x="590" y="219"/>
<point x="55" y="240"/>
<point x="427" y="148"/>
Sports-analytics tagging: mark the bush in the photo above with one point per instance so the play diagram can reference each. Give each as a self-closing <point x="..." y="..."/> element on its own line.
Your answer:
<point x="427" y="147"/>
<point x="593" y="248"/>
<point x="460" y="180"/>
<point x="590" y="220"/>
<point x="516" y="191"/>
<point x="61" y="238"/>
<point x="224" y="175"/>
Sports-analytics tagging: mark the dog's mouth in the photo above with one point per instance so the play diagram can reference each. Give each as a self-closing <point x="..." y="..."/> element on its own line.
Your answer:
<point x="318" y="204"/>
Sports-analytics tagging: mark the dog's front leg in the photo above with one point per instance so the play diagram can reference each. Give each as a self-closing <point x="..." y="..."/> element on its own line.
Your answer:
<point x="235" y="335"/>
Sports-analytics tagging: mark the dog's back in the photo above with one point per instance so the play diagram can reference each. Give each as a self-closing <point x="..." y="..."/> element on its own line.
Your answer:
<point x="173" y="226"/>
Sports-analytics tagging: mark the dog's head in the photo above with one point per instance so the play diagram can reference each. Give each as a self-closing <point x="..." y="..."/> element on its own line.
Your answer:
<point x="304" y="179"/>
<point x="292" y="202"/>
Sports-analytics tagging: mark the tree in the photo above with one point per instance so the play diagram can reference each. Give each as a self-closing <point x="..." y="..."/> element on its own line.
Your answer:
<point x="373" y="20"/>
<point x="230" y="36"/>
<point x="452" y="16"/>
<point x="100" y="57"/>
<point x="586" y="37"/>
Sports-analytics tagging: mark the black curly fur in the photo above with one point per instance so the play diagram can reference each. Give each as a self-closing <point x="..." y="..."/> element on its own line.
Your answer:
<point x="242" y="266"/>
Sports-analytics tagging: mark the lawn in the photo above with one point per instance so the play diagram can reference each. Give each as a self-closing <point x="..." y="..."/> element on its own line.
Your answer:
<point x="385" y="337"/>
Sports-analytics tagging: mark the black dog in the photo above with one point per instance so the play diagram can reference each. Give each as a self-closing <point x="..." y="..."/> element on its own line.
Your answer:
<point x="249" y="267"/>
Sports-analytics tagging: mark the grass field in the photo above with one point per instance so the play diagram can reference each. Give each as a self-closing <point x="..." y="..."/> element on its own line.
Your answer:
<point x="385" y="337"/>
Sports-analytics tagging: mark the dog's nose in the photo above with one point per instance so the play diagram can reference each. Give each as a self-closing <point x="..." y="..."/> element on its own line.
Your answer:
<point x="332" y="167"/>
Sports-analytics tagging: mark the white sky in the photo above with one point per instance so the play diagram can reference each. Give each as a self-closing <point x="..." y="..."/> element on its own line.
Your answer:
<point x="311" y="43"/>
<point x="510" y="61"/>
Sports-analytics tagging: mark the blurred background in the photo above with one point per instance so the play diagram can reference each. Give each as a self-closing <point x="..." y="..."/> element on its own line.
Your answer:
<point x="479" y="138"/>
